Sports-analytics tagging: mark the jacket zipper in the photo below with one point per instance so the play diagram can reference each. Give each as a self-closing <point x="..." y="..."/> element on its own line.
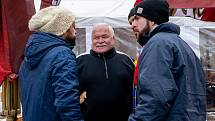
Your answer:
<point x="106" y="71"/>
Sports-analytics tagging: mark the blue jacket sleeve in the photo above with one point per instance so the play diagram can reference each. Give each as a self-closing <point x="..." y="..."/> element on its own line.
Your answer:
<point x="156" y="85"/>
<point x="66" y="87"/>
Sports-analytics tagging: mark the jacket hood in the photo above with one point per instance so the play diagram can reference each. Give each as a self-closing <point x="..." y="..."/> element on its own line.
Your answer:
<point x="38" y="45"/>
<point x="164" y="27"/>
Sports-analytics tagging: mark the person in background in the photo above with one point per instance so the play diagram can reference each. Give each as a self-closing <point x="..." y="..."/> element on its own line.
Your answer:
<point x="49" y="88"/>
<point x="106" y="77"/>
<point x="171" y="81"/>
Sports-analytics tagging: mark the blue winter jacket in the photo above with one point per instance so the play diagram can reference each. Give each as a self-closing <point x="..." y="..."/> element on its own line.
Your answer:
<point x="48" y="83"/>
<point x="171" y="83"/>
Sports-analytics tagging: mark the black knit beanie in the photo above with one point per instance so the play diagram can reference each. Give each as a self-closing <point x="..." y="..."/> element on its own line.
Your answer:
<point x="131" y="13"/>
<point x="154" y="10"/>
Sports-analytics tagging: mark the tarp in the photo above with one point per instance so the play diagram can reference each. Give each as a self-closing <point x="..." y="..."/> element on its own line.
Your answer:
<point x="5" y="66"/>
<point x="13" y="35"/>
<point x="191" y="3"/>
<point x="45" y="3"/>
<point x="208" y="14"/>
<point x="188" y="3"/>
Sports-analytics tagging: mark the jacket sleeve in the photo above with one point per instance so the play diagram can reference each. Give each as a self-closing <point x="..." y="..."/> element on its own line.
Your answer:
<point x="66" y="87"/>
<point x="156" y="85"/>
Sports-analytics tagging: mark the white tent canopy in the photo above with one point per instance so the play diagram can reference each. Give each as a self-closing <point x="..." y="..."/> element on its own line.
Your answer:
<point x="98" y="8"/>
<point x="115" y="12"/>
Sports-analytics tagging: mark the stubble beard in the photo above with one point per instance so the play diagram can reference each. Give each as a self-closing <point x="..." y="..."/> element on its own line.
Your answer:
<point x="145" y="31"/>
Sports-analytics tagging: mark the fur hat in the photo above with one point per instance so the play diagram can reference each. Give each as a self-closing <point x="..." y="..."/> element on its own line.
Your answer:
<point x="54" y="19"/>
<point x="154" y="10"/>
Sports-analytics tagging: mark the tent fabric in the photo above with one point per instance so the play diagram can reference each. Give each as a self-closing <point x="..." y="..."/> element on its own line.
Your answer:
<point x="45" y="3"/>
<point x="5" y="67"/>
<point x="208" y="14"/>
<point x="208" y="5"/>
<point x="99" y="8"/>
<point x="188" y="3"/>
<point x="14" y="33"/>
<point x="189" y="31"/>
<point x="137" y="2"/>
<point x="191" y="3"/>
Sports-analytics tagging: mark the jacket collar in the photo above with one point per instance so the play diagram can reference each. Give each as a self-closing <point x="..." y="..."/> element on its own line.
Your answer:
<point x="107" y="54"/>
<point x="164" y="27"/>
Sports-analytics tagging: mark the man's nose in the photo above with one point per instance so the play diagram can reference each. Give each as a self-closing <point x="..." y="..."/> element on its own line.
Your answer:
<point x="101" y="39"/>
<point x="133" y="25"/>
<point x="75" y="31"/>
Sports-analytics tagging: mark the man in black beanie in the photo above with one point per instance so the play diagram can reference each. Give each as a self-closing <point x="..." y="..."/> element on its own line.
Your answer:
<point x="171" y="83"/>
<point x="131" y="16"/>
<point x="130" y="20"/>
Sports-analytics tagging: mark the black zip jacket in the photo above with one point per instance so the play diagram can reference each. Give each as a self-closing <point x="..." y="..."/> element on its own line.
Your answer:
<point x="108" y="80"/>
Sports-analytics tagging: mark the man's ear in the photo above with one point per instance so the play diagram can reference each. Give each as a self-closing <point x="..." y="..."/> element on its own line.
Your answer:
<point x="152" y="23"/>
<point x="65" y="34"/>
<point x="114" y="37"/>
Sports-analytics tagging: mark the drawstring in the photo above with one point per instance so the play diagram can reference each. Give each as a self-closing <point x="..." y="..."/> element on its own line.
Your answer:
<point x="106" y="71"/>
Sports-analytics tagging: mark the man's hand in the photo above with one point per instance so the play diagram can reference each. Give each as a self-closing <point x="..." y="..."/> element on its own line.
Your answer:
<point x="83" y="96"/>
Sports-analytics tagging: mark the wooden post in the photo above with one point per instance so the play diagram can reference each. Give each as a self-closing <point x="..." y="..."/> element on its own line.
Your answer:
<point x="10" y="99"/>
